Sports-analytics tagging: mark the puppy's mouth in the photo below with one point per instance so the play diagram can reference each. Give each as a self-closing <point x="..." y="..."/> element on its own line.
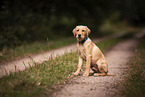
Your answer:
<point x="79" y="38"/>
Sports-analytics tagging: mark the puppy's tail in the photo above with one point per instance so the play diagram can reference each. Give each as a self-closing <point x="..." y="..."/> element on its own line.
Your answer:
<point x="110" y="75"/>
<point x="96" y="74"/>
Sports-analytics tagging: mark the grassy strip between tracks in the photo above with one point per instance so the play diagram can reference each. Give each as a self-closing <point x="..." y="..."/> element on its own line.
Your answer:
<point x="134" y="84"/>
<point x="44" y="78"/>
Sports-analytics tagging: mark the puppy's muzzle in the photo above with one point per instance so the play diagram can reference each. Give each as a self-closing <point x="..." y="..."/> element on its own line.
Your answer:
<point x="79" y="35"/>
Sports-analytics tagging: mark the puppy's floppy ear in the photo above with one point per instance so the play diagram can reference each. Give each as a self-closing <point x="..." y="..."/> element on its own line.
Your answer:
<point x="88" y="30"/>
<point x="74" y="31"/>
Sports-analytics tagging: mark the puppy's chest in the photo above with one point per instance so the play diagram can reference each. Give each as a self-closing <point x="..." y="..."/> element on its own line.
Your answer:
<point x="82" y="52"/>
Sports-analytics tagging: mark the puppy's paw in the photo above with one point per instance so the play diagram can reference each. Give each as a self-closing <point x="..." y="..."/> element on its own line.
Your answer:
<point x="99" y="74"/>
<point x="96" y="74"/>
<point x="76" y="73"/>
<point x="86" y="74"/>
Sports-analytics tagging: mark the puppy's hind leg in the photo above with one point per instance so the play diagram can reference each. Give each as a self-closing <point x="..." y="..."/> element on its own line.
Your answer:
<point x="102" y="72"/>
<point x="103" y="69"/>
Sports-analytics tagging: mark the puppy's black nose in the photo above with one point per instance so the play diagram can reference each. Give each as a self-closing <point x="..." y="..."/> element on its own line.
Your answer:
<point x="79" y="35"/>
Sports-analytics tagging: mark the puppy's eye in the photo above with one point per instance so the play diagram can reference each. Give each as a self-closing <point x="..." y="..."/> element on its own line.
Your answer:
<point x="77" y="30"/>
<point x="83" y="30"/>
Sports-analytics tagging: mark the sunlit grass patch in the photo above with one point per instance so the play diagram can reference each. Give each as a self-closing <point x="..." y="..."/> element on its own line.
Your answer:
<point x="112" y="24"/>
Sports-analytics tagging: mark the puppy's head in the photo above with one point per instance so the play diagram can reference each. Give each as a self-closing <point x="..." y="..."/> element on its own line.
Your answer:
<point x="81" y="32"/>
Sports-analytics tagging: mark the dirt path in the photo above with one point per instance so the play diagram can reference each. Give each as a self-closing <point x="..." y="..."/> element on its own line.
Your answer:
<point x="16" y="65"/>
<point x="106" y="86"/>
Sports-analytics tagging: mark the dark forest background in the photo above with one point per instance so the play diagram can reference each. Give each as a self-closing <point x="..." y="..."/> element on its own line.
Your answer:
<point x="38" y="20"/>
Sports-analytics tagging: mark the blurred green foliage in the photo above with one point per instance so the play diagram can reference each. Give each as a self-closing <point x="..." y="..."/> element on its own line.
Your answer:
<point x="25" y="21"/>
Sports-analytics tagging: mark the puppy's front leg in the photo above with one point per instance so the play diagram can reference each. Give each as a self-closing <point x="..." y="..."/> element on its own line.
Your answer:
<point x="88" y="62"/>
<point x="79" y="66"/>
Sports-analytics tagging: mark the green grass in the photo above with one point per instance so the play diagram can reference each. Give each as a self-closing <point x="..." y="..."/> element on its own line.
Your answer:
<point x="38" y="79"/>
<point x="43" y="78"/>
<point x="134" y="85"/>
<point x="34" y="48"/>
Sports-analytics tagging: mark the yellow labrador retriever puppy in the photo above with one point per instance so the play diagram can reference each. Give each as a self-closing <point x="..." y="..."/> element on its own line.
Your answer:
<point x="88" y="51"/>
